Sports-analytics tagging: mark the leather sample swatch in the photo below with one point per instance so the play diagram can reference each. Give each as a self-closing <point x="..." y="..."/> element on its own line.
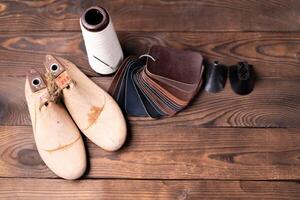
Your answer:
<point x="160" y="85"/>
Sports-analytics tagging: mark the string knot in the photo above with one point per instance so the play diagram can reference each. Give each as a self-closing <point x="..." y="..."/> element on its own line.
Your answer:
<point x="55" y="93"/>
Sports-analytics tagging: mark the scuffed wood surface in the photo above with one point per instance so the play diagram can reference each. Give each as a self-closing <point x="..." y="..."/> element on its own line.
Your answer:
<point x="32" y="189"/>
<point x="157" y="15"/>
<point x="172" y="152"/>
<point x="273" y="55"/>
<point x="222" y="146"/>
<point x="273" y="103"/>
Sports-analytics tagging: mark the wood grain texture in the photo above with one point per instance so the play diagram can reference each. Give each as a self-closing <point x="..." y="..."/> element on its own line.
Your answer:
<point x="155" y="15"/>
<point x="171" y="152"/>
<point x="32" y="189"/>
<point x="272" y="54"/>
<point x="273" y="103"/>
<point x="222" y="146"/>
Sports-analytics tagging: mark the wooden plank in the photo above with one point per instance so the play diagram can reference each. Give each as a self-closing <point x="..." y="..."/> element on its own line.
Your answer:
<point x="155" y="15"/>
<point x="272" y="54"/>
<point x="273" y="103"/>
<point x="138" y="189"/>
<point x="172" y="152"/>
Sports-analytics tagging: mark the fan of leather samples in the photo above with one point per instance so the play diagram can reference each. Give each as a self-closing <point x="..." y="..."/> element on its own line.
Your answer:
<point x="158" y="84"/>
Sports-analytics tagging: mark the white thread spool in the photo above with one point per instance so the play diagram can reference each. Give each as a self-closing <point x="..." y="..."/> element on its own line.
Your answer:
<point x="101" y="42"/>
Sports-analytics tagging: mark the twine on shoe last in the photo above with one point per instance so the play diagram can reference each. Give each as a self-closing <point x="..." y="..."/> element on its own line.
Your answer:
<point x="55" y="93"/>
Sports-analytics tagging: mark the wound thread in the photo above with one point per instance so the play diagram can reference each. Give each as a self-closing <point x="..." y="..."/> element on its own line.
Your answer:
<point x="101" y="42"/>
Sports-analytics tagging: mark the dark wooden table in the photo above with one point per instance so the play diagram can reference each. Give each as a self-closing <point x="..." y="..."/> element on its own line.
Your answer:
<point x="223" y="146"/>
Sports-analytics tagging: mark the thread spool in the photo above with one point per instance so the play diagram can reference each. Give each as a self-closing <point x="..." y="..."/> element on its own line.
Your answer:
<point x="101" y="42"/>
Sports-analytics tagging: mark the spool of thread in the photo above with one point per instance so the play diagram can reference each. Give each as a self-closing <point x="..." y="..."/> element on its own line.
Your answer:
<point x="101" y="42"/>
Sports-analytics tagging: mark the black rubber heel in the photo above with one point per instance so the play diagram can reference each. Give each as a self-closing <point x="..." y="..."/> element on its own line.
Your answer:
<point x="242" y="78"/>
<point x="215" y="77"/>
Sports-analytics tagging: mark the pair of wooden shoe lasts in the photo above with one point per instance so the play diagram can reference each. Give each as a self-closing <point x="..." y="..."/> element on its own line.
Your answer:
<point x="90" y="108"/>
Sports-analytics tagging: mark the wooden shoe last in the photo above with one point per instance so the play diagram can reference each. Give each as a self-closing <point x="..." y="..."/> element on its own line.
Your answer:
<point x="94" y="111"/>
<point x="57" y="138"/>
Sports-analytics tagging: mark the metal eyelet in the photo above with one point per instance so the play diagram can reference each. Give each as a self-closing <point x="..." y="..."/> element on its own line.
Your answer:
<point x="215" y="63"/>
<point x="36" y="82"/>
<point x="54" y="67"/>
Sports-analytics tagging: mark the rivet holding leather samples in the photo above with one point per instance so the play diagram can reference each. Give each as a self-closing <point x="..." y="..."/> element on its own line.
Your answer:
<point x="102" y="45"/>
